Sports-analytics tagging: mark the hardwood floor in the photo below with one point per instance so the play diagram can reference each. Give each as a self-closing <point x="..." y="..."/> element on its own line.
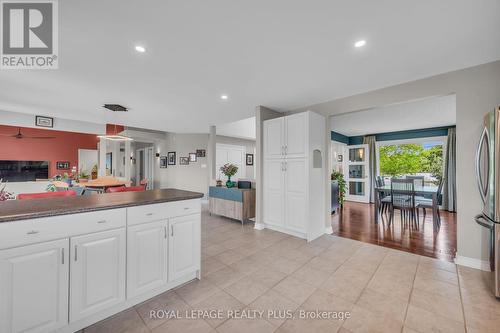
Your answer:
<point x="355" y="221"/>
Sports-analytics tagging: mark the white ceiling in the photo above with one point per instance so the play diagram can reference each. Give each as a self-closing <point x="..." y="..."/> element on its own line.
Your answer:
<point x="427" y="113"/>
<point x="283" y="54"/>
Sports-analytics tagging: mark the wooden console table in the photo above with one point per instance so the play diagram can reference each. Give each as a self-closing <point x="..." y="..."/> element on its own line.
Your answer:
<point x="235" y="203"/>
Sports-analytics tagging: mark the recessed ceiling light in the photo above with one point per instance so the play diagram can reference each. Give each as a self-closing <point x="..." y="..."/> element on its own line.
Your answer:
<point x="140" y="49"/>
<point x="360" y="43"/>
<point x="224" y="97"/>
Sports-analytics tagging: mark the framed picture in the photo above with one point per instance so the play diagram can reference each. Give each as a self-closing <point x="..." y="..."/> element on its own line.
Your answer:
<point x="171" y="158"/>
<point x="62" y="165"/>
<point x="41" y="121"/>
<point x="163" y="162"/>
<point x="249" y="159"/>
<point x="201" y="152"/>
<point x="340" y="158"/>
<point x="184" y="160"/>
<point x="192" y="157"/>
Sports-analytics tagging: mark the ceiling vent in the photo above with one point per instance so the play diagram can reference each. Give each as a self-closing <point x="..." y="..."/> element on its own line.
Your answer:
<point x="115" y="107"/>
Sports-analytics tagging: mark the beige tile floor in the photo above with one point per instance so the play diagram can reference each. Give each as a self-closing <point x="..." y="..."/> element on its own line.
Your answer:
<point x="383" y="290"/>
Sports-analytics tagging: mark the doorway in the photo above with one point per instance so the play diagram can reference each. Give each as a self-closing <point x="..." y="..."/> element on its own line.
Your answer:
<point x="145" y="166"/>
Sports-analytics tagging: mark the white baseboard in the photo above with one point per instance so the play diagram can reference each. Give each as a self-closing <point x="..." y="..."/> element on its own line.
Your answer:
<point x="259" y="226"/>
<point x="329" y="230"/>
<point x="473" y="263"/>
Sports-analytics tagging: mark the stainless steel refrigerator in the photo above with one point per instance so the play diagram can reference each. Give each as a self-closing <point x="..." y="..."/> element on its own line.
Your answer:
<point x="488" y="180"/>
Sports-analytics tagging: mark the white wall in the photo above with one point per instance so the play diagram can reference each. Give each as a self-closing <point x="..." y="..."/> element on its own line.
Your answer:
<point x="192" y="177"/>
<point x="28" y="120"/>
<point x="477" y="92"/>
<point x="243" y="129"/>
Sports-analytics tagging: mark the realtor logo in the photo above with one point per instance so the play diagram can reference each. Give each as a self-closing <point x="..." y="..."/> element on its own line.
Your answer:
<point x="29" y="34"/>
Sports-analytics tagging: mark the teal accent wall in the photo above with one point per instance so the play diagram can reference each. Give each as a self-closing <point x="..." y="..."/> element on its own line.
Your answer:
<point x="339" y="137"/>
<point x="391" y="136"/>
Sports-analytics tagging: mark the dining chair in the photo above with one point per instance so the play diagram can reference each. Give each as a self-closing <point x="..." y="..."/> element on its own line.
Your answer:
<point x="403" y="198"/>
<point x="425" y="203"/>
<point x="116" y="189"/>
<point x="144" y="183"/>
<point x="29" y="196"/>
<point x="384" y="198"/>
<point x="418" y="180"/>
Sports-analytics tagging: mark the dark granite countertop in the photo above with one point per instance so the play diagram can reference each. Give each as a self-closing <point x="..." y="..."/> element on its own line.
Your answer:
<point x="36" y="208"/>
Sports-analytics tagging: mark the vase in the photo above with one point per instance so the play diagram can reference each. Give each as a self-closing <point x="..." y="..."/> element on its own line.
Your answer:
<point x="229" y="183"/>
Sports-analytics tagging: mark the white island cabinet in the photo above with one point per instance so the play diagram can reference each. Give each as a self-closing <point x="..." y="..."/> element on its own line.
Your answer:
<point x="66" y="272"/>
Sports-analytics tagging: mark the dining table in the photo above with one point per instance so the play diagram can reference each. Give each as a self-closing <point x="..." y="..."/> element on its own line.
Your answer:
<point x="98" y="185"/>
<point x="420" y="190"/>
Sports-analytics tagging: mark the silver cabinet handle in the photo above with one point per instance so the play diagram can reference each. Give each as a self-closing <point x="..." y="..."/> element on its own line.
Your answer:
<point x="186" y="208"/>
<point x="149" y="214"/>
<point x="32" y="232"/>
<point x="172" y="230"/>
<point x="286" y="149"/>
<point x="76" y="252"/>
<point x="101" y="221"/>
<point x="62" y="255"/>
<point x="165" y="232"/>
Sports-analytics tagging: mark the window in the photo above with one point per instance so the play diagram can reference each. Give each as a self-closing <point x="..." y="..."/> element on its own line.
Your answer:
<point x="421" y="157"/>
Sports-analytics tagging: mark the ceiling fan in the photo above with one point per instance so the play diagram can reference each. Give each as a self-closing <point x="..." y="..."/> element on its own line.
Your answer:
<point x="19" y="135"/>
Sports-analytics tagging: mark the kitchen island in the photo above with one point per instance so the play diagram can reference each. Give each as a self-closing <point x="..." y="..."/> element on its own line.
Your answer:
<point x="66" y="263"/>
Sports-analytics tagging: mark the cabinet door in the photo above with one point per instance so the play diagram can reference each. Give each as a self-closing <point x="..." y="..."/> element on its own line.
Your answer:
<point x="183" y="246"/>
<point x="97" y="272"/>
<point x="34" y="287"/>
<point x="146" y="257"/>
<point x="295" y="197"/>
<point x="274" y="192"/>
<point x="296" y="135"/>
<point x="273" y="135"/>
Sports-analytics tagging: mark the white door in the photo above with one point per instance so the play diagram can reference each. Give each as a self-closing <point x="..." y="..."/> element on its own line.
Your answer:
<point x="296" y="135"/>
<point x="146" y="257"/>
<point x="295" y="195"/>
<point x="183" y="246"/>
<point x="357" y="173"/>
<point x="274" y="192"/>
<point x="97" y="279"/>
<point x="273" y="137"/>
<point x="34" y="287"/>
<point x="230" y="154"/>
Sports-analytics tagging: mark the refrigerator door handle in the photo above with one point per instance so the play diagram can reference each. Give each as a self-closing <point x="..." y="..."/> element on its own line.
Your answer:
<point x="484" y="222"/>
<point x="484" y="135"/>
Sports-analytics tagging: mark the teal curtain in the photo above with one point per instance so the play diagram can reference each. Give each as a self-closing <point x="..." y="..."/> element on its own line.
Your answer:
<point x="450" y="173"/>
<point x="372" y="162"/>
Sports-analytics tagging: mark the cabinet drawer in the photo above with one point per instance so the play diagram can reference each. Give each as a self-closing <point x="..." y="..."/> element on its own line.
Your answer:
<point x="156" y="212"/>
<point x="147" y="213"/>
<point x="24" y="232"/>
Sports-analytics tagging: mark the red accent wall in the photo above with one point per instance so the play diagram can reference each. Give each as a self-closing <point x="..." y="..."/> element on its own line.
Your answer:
<point x="63" y="148"/>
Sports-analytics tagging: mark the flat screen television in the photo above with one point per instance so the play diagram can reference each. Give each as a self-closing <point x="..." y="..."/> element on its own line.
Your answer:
<point x="23" y="171"/>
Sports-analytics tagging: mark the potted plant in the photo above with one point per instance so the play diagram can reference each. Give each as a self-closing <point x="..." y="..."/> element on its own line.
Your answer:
<point x="342" y="184"/>
<point x="83" y="177"/>
<point x="4" y="195"/>
<point x="94" y="171"/>
<point x="229" y="170"/>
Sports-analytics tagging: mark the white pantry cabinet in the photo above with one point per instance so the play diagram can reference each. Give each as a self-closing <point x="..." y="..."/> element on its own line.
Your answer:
<point x="97" y="272"/>
<point x="146" y="257"/>
<point x="34" y="287"/>
<point x="294" y="174"/>
<point x="184" y="249"/>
